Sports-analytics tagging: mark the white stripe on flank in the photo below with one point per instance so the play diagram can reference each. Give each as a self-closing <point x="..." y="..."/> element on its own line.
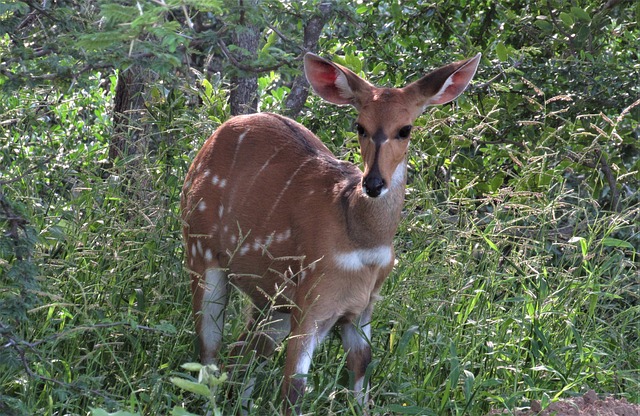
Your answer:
<point x="357" y="259"/>
<point x="284" y="189"/>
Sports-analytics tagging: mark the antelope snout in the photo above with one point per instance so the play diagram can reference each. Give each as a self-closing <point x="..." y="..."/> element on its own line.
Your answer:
<point x="373" y="186"/>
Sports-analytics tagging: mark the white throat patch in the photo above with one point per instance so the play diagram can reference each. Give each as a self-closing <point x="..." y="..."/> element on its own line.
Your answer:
<point x="357" y="259"/>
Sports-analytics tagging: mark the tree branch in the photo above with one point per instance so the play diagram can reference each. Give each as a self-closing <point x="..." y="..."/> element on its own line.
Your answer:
<point x="244" y="67"/>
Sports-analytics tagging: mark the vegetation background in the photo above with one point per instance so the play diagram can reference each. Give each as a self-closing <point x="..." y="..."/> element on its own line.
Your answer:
<point x="517" y="275"/>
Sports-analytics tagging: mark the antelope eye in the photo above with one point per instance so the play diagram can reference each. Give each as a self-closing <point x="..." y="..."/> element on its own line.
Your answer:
<point x="361" y="131"/>
<point x="404" y="132"/>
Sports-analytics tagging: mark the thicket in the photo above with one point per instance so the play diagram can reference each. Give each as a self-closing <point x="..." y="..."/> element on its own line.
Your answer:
<point x="517" y="275"/>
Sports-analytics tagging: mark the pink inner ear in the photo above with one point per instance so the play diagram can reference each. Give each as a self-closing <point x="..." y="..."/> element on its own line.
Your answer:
<point x="328" y="76"/>
<point x="324" y="75"/>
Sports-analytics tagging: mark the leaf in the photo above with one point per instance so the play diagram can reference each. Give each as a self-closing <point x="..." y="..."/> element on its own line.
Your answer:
<point x="398" y="409"/>
<point x="544" y="25"/>
<point x="191" y="386"/>
<point x="614" y="242"/>
<point x="406" y="337"/>
<point x="116" y="13"/>
<point x="580" y="14"/>
<point x="566" y="18"/>
<point x="102" y="412"/>
<point x="501" y="51"/>
<point x="192" y="366"/>
<point x="379" y="68"/>
<point x="181" y="411"/>
<point x="353" y="63"/>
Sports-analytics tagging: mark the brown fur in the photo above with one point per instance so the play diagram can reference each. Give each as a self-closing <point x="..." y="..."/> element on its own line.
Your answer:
<point x="267" y="204"/>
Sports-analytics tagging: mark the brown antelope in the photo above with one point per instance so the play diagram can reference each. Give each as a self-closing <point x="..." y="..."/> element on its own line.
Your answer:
<point x="267" y="208"/>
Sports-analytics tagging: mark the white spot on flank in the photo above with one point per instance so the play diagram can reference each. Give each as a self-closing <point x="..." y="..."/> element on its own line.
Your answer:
<point x="207" y="173"/>
<point x="200" y="247"/>
<point x="193" y="250"/>
<point x="283" y="236"/>
<point x="208" y="255"/>
<point x="215" y="180"/>
<point x="220" y="210"/>
<point x="357" y="259"/>
<point x="269" y="240"/>
<point x="225" y="229"/>
<point x="233" y="238"/>
<point x="244" y="250"/>
<point x="223" y="183"/>
<point x="257" y="244"/>
<point x="202" y="206"/>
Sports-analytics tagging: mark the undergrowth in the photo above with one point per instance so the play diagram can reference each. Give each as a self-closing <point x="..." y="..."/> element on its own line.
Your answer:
<point x="526" y="292"/>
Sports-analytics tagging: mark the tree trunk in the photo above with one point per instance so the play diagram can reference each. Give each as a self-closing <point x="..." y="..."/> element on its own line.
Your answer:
<point x="129" y="133"/>
<point x="243" y="98"/>
<point x="312" y="30"/>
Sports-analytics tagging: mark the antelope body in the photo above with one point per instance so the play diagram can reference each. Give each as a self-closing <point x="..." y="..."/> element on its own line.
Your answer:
<point x="267" y="208"/>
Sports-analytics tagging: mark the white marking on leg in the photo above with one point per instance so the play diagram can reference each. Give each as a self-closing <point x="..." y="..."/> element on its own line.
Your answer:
<point x="310" y="344"/>
<point x="214" y="302"/>
<point x="356" y="337"/>
<point x="304" y="360"/>
<point x="357" y="259"/>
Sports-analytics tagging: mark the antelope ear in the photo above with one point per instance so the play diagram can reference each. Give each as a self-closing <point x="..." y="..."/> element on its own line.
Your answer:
<point x="444" y="84"/>
<point x="334" y="82"/>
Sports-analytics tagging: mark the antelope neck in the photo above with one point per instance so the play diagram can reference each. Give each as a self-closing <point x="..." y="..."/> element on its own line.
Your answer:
<point x="372" y="222"/>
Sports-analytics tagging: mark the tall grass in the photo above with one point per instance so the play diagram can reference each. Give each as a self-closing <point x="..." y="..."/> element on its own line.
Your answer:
<point x="495" y="301"/>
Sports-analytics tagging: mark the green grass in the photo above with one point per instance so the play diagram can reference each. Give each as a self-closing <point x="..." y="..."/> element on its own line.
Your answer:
<point x="495" y="301"/>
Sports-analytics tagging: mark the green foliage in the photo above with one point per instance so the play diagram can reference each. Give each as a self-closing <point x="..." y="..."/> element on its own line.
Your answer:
<point x="517" y="271"/>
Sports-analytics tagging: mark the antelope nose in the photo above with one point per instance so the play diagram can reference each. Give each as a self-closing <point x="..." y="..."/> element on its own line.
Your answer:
<point x="372" y="186"/>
